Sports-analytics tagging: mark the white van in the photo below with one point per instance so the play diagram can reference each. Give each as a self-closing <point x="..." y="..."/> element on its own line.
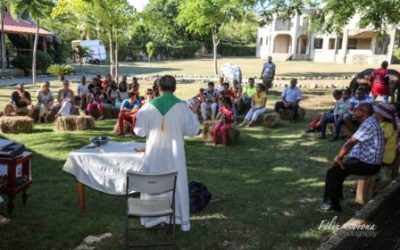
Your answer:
<point x="96" y="49"/>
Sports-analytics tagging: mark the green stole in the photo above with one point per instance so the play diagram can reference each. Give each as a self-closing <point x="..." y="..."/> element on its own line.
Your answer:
<point x="163" y="104"/>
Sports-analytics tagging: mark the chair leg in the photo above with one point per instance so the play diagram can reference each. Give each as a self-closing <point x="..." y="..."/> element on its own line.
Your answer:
<point x="174" y="232"/>
<point x="126" y="232"/>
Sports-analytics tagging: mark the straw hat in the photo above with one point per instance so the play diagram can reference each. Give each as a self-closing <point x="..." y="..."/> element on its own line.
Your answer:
<point x="384" y="109"/>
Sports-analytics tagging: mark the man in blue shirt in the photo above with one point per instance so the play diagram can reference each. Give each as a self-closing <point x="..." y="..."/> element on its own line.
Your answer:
<point x="128" y="111"/>
<point x="290" y="99"/>
<point x="361" y="155"/>
<point x="359" y="97"/>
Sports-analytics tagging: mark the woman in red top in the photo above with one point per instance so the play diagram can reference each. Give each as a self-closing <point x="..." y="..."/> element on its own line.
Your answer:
<point x="225" y="120"/>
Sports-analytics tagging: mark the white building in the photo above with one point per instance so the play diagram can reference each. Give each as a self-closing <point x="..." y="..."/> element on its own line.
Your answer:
<point x="290" y="39"/>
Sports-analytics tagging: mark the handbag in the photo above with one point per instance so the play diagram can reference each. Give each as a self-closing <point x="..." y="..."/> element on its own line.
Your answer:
<point x="199" y="196"/>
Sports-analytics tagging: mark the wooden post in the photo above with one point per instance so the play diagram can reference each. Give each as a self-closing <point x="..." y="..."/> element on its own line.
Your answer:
<point x="81" y="195"/>
<point x="365" y="189"/>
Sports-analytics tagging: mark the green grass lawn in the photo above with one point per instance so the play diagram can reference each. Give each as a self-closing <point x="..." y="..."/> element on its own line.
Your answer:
<point x="265" y="191"/>
<point x="250" y="66"/>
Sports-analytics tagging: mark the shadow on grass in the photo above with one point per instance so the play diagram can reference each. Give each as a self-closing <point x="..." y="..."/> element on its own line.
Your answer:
<point x="265" y="191"/>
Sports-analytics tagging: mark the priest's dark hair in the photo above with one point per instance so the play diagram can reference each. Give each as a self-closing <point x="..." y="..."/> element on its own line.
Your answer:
<point x="167" y="83"/>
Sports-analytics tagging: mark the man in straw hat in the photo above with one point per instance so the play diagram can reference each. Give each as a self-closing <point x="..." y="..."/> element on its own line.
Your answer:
<point x="360" y="155"/>
<point x="164" y="121"/>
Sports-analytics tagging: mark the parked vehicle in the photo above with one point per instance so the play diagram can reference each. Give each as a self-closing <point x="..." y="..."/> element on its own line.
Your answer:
<point x="96" y="49"/>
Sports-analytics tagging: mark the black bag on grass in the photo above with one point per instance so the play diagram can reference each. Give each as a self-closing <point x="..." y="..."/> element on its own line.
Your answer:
<point x="199" y="196"/>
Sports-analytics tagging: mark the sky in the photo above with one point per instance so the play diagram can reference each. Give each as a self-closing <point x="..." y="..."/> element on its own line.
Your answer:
<point x="138" y="4"/>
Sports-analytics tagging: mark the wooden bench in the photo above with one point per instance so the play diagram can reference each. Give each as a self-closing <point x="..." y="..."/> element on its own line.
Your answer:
<point x="366" y="186"/>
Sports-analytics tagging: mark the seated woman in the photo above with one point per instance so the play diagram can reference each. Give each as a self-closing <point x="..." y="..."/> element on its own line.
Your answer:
<point x="156" y="91"/>
<point x="149" y="96"/>
<point x="65" y="100"/>
<point x="225" y="120"/>
<point x="237" y="100"/>
<point x="83" y="93"/>
<point x="258" y="106"/>
<point x="45" y="101"/>
<point x="96" y="101"/>
<point x="134" y="84"/>
<point x="122" y="94"/>
<point x="128" y="111"/>
<point x="385" y="116"/>
<point x="111" y="95"/>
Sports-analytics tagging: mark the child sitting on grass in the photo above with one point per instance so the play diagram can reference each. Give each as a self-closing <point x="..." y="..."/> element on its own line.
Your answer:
<point x="225" y="120"/>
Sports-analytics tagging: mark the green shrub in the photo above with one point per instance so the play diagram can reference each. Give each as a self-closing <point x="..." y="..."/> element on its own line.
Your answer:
<point x="229" y="49"/>
<point x="24" y="62"/>
<point x="60" y="70"/>
<point x="43" y="61"/>
<point x="185" y="49"/>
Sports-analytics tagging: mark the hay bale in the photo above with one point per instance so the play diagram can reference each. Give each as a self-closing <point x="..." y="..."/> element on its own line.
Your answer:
<point x="109" y="113"/>
<point x="269" y="119"/>
<point x="344" y="130"/>
<point x="208" y="131"/>
<point x="286" y="114"/>
<point x="127" y="128"/>
<point x="16" y="124"/>
<point x="73" y="123"/>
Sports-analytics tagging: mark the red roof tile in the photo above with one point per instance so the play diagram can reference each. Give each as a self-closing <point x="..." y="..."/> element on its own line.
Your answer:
<point x="21" y="26"/>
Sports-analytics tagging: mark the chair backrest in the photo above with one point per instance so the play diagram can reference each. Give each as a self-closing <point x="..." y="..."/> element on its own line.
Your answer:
<point x="151" y="183"/>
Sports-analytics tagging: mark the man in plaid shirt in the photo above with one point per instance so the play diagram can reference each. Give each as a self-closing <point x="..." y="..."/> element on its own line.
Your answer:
<point x="361" y="155"/>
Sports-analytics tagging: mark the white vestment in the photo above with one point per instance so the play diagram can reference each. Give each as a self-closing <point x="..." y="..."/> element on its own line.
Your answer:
<point x="165" y="152"/>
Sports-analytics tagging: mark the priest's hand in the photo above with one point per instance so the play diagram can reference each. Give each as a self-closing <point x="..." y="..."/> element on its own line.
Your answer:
<point x="140" y="150"/>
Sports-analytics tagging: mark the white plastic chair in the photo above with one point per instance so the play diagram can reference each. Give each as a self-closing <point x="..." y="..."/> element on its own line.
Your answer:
<point x="150" y="183"/>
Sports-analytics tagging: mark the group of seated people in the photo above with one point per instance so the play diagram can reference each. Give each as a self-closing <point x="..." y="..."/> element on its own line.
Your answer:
<point x="123" y="97"/>
<point x="225" y="104"/>
<point x="372" y="147"/>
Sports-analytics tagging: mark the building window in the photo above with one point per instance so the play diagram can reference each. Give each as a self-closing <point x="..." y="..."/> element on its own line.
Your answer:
<point x="352" y="43"/>
<point x="332" y="43"/>
<point x="318" y="43"/>
<point x="340" y="41"/>
<point x="261" y="41"/>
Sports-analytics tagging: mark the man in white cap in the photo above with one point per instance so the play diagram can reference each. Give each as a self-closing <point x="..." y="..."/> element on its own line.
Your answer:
<point x="360" y="155"/>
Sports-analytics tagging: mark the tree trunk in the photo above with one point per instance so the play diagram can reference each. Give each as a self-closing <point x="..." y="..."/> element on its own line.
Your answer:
<point x="149" y="61"/>
<point x="35" y="44"/>
<point x="3" y="43"/>
<point x="116" y="56"/>
<point x="215" y="48"/>
<point x="111" y="53"/>
<point x="81" y="66"/>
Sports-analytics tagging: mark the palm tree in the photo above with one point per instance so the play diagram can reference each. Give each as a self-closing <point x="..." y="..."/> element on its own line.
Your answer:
<point x="35" y="10"/>
<point x="81" y="52"/>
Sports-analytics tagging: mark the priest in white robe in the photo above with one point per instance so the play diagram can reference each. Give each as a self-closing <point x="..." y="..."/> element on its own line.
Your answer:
<point x="165" y="121"/>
